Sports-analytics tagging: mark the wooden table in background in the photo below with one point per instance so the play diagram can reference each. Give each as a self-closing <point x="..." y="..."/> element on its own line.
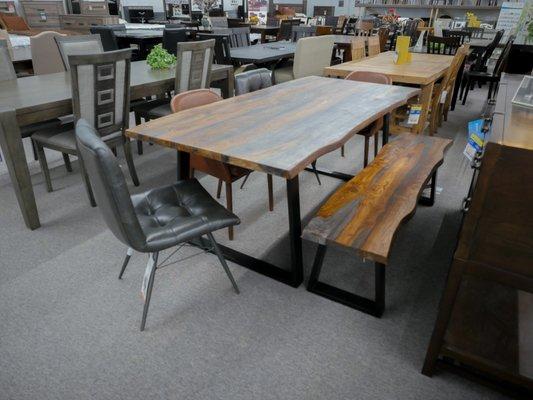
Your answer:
<point x="264" y="30"/>
<point x="263" y="53"/>
<point x="423" y="71"/>
<point x="43" y="97"/>
<point x="279" y="130"/>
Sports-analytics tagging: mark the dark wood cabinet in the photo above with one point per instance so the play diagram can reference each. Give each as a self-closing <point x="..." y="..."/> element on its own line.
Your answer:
<point x="485" y="321"/>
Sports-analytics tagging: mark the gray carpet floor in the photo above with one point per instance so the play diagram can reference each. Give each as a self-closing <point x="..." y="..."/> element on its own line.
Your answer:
<point x="69" y="329"/>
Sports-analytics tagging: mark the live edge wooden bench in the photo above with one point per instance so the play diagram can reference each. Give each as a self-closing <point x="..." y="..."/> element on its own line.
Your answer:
<point x="365" y="213"/>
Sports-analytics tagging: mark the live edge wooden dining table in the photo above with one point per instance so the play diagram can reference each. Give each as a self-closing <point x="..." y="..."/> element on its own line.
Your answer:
<point x="40" y="98"/>
<point x="279" y="130"/>
<point x="422" y="71"/>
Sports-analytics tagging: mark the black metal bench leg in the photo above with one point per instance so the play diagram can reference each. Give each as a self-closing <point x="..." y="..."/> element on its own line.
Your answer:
<point x="374" y="307"/>
<point x="429" y="201"/>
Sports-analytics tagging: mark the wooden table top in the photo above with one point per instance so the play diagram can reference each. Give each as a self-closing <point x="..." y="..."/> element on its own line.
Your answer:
<point x="281" y="129"/>
<point x="512" y="123"/>
<point x="365" y="213"/>
<point x="41" y="92"/>
<point x="422" y="70"/>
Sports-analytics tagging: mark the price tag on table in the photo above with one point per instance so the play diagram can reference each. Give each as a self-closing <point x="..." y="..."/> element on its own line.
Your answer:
<point x="414" y="114"/>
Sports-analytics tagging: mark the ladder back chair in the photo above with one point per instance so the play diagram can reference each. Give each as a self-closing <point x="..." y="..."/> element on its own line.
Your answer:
<point x="101" y="96"/>
<point x="442" y="45"/>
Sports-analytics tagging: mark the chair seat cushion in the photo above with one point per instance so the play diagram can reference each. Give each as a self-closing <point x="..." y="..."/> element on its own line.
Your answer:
<point x="177" y="213"/>
<point x="283" y="74"/>
<point x="28" y="130"/>
<point x="63" y="138"/>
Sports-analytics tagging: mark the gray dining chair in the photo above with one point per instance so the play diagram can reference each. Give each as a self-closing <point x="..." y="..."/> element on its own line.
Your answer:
<point x="78" y="45"/>
<point x="100" y="95"/>
<point x="193" y="71"/>
<point x="299" y="32"/>
<point x="238" y="37"/>
<point x="45" y="54"/>
<point x="155" y="220"/>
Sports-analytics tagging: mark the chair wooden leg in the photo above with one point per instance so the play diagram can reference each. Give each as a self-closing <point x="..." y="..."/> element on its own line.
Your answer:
<point x="229" y="206"/>
<point x="66" y="159"/>
<point x="365" y="160"/>
<point x="270" y="193"/>
<point x="44" y="167"/>
<point x="376" y="143"/>
<point x="129" y="160"/>
<point x="467" y="87"/>
<point x="342" y="151"/>
<point x="219" y="188"/>
<point x="34" y="148"/>
<point x="87" y="183"/>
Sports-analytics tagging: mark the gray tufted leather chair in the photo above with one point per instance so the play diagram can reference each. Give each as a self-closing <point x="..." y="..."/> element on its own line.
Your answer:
<point x="251" y="81"/>
<point x="152" y="221"/>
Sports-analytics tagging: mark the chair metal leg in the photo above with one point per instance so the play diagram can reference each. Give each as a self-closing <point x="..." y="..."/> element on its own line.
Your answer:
<point x="270" y="193"/>
<point x="129" y="160"/>
<point x="149" y="286"/>
<point x="129" y="253"/>
<point x="223" y="262"/>
<point x="467" y="87"/>
<point x="313" y="165"/>
<point x="244" y="181"/>
<point x="44" y="167"/>
<point x="87" y="183"/>
<point x="66" y="159"/>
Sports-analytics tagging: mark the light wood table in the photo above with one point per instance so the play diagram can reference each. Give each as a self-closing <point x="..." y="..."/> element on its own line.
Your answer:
<point x="423" y="71"/>
<point x="43" y="97"/>
<point x="307" y="118"/>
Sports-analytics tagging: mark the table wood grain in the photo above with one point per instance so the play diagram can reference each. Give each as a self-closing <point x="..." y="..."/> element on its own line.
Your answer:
<point x="278" y="130"/>
<point x="366" y="212"/>
<point x="422" y="70"/>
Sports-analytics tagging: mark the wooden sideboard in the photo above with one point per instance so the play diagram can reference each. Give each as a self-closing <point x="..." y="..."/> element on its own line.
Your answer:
<point x="485" y="317"/>
<point x="83" y="23"/>
<point x="93" y="7"/>
<point x="43" y="14"/>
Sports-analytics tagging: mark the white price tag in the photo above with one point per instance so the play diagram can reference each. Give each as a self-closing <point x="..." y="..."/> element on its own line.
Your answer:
<point x="443" y="96"/>
<point x="146" y="278"/>
<point x="414" y="114"/>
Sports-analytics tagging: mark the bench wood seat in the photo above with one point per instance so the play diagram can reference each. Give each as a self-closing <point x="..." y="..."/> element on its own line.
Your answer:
<point x="365" y="213"/>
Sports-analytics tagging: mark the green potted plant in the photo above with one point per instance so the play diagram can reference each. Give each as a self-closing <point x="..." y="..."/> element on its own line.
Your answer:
<point x="159" y="58"/>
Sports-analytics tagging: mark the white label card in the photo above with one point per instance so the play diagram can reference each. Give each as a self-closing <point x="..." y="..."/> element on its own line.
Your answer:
<point x="146" y="278"/>
<point x="443" y="96"/>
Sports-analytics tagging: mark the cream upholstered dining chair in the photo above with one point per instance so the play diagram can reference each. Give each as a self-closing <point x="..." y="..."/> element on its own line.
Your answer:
<point x="101" y="96"/>
<point x="358" y="48"/>
<point x="45" y="53"/>
<point x="373" y="129"/>
<point x="374" y="47"/>
<point x="311" y="56"/>
<point x="78" y="45"/>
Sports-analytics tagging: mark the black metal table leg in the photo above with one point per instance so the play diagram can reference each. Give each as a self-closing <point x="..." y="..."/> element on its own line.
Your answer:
<point x="295" y="230"/>
<point x="386" y="129"/>
<point x="183" y="165"/>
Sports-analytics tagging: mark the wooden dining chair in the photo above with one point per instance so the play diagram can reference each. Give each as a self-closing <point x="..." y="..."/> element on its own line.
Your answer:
<point x="238" y="37"/>
<point x="374" y="128"/>
<point x="101" y="96"/>
<point x="462" y="35"/>
<point x="374" y="46"/>
<point x="285" y="28"/>
<point x="475" y="32"/>
<point x="358" y="48"/>
<point x="45" y="53"/>
<point x="193" y="71"/>
<point x="299" y="32"/>
<point x="226" y="173"/>
<point x="442" y="45"/>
